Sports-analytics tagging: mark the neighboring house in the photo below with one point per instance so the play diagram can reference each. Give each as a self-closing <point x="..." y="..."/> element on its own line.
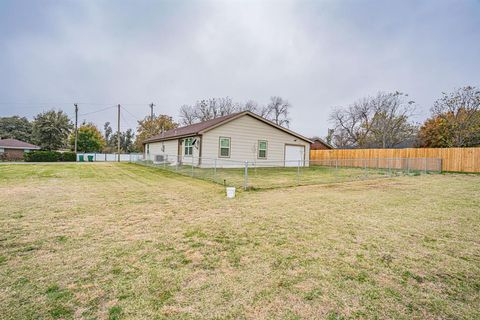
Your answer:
<point x="319" y="144"/>
<point x="230" y="141"/>
<point x="13" y="149"/>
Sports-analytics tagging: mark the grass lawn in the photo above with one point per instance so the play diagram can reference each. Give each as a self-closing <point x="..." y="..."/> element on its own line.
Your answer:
<point x="115" y="241"/>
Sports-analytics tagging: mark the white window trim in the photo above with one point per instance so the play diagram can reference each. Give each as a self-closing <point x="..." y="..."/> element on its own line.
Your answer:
<point x="258" y="149"/>
<point x="220" y="147"/>
<point x="185" y="147"/>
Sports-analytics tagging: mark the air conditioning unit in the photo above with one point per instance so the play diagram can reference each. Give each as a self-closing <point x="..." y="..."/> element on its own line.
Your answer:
<point x="159" y="158"/>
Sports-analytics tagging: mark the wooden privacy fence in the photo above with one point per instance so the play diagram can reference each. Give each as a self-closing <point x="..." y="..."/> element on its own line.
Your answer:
<point x="453" y="159"/>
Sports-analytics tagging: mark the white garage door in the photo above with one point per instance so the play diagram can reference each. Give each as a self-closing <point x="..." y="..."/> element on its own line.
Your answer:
<point x="294" y="154"/>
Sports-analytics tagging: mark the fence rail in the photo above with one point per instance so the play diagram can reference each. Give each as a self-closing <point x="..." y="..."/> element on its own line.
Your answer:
<point x="273" y="174"/>
<point x="453" y="159"/>
<point x="109" y="157"/>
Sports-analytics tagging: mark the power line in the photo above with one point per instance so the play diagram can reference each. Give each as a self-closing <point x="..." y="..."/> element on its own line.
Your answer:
<point x="131" y="114"/>
<point x="127" y="121"/>
<point x="84" y="103"/>
<point x="96" y="111"/>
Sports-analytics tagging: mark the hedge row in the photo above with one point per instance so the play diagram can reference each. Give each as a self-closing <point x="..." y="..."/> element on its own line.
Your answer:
<point x="49" y="156"/>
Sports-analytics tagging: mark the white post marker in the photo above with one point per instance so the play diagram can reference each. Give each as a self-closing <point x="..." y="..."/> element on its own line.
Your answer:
<point x="230" y="192"/>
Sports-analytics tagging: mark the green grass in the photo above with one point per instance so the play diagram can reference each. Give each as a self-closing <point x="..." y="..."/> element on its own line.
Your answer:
<point x="121" y="241"/>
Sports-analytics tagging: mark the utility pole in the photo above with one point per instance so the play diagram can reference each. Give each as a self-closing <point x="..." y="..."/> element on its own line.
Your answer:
<point x="118" y="133"/>
<point x="151" y="111"/>
<point x="76" y="126"/>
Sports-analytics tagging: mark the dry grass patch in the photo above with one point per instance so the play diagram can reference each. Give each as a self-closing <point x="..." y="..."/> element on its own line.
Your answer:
<point x="114" y="241"/>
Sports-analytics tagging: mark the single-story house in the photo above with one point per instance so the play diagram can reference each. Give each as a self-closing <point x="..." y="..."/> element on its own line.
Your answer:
<point x="13" y="149"/>
<point x="320" y="144"/>
<point x="229" y="141"/>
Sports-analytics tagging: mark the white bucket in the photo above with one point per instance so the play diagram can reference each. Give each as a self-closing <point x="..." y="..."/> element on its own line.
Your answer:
<point x="230" y="192"/>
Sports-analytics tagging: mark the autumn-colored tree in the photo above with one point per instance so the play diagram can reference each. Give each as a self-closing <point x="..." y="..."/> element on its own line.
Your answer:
<point x="455" y="121"/>
<point x="90" y="139"/>
<point x="149" y="127"/>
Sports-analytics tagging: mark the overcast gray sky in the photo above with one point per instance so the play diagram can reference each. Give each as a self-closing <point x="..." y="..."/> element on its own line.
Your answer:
<point x="316" y="54"/>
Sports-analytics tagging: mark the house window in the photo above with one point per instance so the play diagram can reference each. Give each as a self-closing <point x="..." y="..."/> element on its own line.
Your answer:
<point x="224" y="147"/>
<point x="188" y="146"/>
<point x="2" y="150"/>
<point x="262" y="149"/>
<point x="148" y="148"/>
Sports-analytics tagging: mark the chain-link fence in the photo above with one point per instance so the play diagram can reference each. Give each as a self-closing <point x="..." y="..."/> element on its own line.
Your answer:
<point x="273" y="174"/>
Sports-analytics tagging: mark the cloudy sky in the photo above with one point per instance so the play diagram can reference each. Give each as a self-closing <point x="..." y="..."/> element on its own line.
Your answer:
<point x="316" y="54"/>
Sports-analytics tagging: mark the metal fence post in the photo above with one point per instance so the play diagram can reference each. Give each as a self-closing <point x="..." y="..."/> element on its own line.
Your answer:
<point x="245" y="176"/>
<point x="192" y="166"/>
<point x="298" y="172"/>
<point x="336" y="168"/>
<point x="214" y="169"/>
<point x="389" y="167"/>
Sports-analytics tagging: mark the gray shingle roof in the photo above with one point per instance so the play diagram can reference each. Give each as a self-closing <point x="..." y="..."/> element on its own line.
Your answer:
<point x="190" y="129"/>
<point x="16" y="144"/>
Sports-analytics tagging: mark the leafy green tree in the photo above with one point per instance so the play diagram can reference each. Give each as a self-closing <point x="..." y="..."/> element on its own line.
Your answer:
<point x="51" y="129"/>
<point x="16" y="128"/>
<point x="149" y="127"/>
<point x="129" y="141"/>
<point x="90" y="139"/>
<point x="108" y="131"/>
<point x="127" y="144"/>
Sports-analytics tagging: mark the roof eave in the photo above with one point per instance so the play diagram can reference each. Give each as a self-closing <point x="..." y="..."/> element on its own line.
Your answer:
<point x="22" y="148"/>
<point x="172" y="138"/>
<point x="256" y="116"/>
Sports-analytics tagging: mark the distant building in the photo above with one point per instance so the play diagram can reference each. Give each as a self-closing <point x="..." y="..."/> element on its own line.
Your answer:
<point x="319" y="144"/>
<point x="13" y="149"/>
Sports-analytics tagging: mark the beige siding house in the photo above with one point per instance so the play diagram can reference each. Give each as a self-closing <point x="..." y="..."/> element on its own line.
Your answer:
<point x="229" y="141"/>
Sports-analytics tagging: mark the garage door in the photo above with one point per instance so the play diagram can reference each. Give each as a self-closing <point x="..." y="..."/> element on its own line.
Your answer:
<point x="294" y="154"/>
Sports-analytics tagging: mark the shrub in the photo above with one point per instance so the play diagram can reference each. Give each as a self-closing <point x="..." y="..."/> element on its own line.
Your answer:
<point x="42" y="156"/>
<point x="68" y="156"/>
<point x="49" y="156"/>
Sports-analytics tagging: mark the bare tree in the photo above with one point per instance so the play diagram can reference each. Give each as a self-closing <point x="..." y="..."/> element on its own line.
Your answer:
<point x="251" y="106"/>
<point x="381" y="121"/>
<point x="204" y="110"/>
<point x="225" y="106"/>
<point x="187" y="115"/>
<point x="277" y="111"/>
